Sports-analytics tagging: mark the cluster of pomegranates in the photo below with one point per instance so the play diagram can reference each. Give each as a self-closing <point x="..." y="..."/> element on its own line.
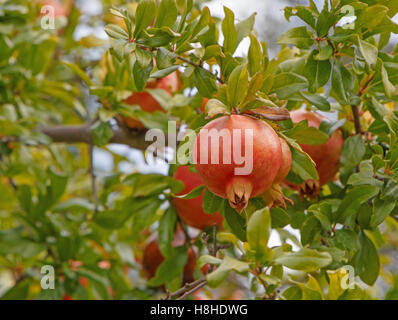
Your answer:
<point x="271" y="164"/>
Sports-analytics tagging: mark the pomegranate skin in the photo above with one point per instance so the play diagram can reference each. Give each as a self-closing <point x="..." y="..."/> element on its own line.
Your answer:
<point x="326" y="156"/>
<point x="221" y="178"/>
<point x="147" y="102"/>
<point x="286" y="162"/>
<point x="59" y="9"/>
<point x="191" y="210"/>
<point x="152" y="258"/>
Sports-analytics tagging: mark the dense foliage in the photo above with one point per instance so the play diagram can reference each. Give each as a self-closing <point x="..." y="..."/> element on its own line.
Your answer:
<point x="58" y="104"/>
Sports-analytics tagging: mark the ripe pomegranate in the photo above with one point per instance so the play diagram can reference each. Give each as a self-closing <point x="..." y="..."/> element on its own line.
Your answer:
<point x="59" y="9"/>
<point x="251" y="161"/>
<point x="147" y="102"/>
<point x="326" y="156"/>
<point x="190" y="210"/>
<point x="273" y="196"/>
<point x="152" y="258"/>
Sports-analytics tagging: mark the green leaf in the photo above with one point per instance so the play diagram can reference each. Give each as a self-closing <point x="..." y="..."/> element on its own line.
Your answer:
<point x="306" y="135"/>
<point x="144" y="15"/>
<point x="101" y="132"/>
<point x="259" y="230"/>
<point x="324" y="53"/>
<point x="300" y="37"/>
<point x="166" y="14"/>
<point x="150" y="184"/>
<point x="167" y="226"/>
<point x="279" y="218"/>
<point x="171" y="267"/>
<point x="18" y="292"/>
<point x="364" y="176"/>
<point x="303" y="166"/>
<point x="306" y="260"/>
<point x="389" y="88"/>
<point x="211" y="202"/>
<point x="235" y="221"/>
<point x="116" y="32"/>
<point x="195" y="192"/>
<point x="229" y="31"/>
<point x="366" y="261"/>
<point x="303" y="13"/>
<point x="317" y="72"/>
<point x="144" y="57"/>
<point x="238" y="83"/>
<point x="325" y="21"/>
<point x="287" y="84"/>
<point x="214" y="107"/>
<point x="352" y="153"/>
<point x="213" y="51"/>
<point x="75" y="204"/>
<point x="144" y="215"/>
<point x="354" y="198"/>
<point x="164" y="72"/>
<point x="164" y="58"/>
<point x="381" y="210"/>
<point x="215" y="278"/>
<point x="254" y="56"/>
<point x="141" y="74"/>
<point x="342" y="83"/>
<point x="76" y="69"/>
<point x="310" y="228"/>
<point x="316" y="100"/>
<point x="207" y="259"/>
<point x="292" y="293"/>
<point x="204" y="82"/>
<point x="368" y="51"/>
<point x="244" y="28"/>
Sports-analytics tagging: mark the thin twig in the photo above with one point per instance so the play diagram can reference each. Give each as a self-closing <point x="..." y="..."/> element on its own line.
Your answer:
<point x="357" y="121"/>
<point x="93" y="178"/>
<point x="184" y="60"/>
<point x="185" y="288"/>
<point x="199" y="66"/>
<point x="189" y="292"/>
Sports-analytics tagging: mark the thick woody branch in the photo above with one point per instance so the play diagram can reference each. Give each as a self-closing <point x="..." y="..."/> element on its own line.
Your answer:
<point x="81" y="133"/>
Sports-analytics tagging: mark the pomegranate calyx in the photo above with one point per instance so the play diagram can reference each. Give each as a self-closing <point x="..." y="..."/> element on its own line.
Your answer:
<point x="309" y="188"/>
<point x="238" y="192"/>
<point x="274" y="197"/>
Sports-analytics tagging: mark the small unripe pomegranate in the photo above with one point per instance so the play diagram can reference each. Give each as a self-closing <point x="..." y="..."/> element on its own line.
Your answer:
<point x="237" y="157"/>
<point x="147" y="102"/>
<point x="191" y="210"/>
<point x="326" y="156"/>
<point x="273" y="196"/>
<point x="152" y="258"/>
<point x="286" y="162"/>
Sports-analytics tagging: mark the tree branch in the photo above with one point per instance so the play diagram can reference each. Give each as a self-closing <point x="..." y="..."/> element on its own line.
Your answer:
<point x="81" y="133"/>
<point x="357" y="121"/>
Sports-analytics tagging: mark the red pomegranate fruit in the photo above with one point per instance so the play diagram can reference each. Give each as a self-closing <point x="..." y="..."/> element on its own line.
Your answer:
<point x="152" y="258"/>
<point x="147" y="102"/>
<point x="191" y="210"/>
<point x="59" y="9"/>
<point x="326" y="156"/>
<point x="237" y="157"/>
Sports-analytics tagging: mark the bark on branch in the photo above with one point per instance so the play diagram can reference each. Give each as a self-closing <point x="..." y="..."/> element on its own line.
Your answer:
<point x="81" y="133"/>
